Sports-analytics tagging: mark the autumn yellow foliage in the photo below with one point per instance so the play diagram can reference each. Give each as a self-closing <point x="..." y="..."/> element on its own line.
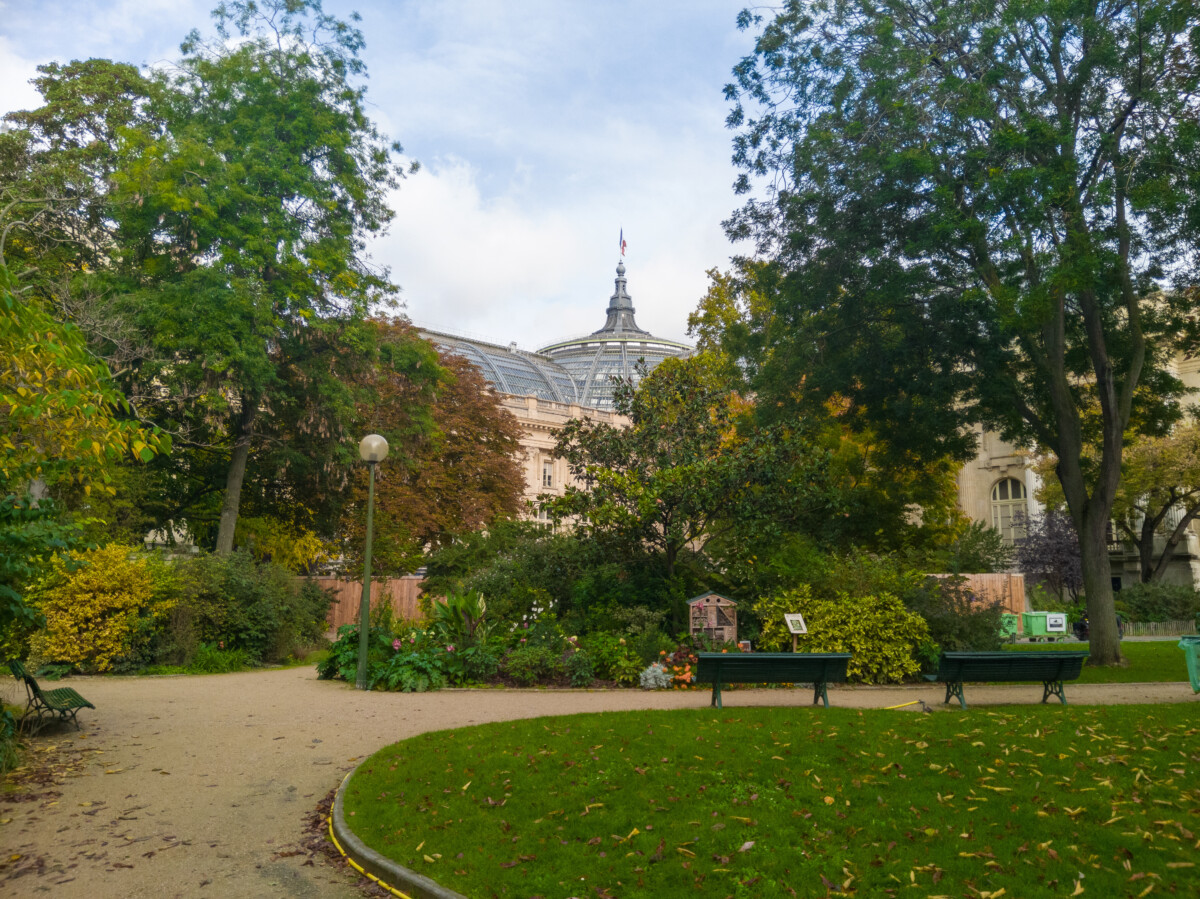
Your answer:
<point x="100" y="609"/>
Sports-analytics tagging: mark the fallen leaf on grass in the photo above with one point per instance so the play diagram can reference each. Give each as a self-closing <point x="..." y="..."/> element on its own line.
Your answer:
<point x="748" y="845"/>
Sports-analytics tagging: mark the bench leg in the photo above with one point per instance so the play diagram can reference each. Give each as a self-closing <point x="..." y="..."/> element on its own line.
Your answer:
<point x="716" y="693"/>
<point x="819" y="693"/>
<point x="1053" y="688"/>
<point x="954" y="689"/>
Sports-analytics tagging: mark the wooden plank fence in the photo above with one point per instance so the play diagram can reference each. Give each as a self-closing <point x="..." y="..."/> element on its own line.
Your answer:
<point x="401" y="592"/>
<point x="1006" y="588"/>
<point x="1159" y="628"/>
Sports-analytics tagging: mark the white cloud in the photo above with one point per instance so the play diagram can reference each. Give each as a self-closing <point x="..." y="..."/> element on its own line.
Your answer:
<point x="15" y="73"/>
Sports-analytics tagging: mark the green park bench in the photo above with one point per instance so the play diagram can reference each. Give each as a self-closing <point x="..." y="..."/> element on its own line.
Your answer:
<point x="61" y="703"/>
<point x="816" y="668"/>
<point x="1051" y="668"/>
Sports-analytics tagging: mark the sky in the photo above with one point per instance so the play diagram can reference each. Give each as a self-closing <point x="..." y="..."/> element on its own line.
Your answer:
<point x="543" y="128"/>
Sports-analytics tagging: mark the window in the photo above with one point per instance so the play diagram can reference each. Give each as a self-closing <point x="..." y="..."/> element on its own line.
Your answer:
<point x="1009" y="509"/>
<point x="547" y="474"/>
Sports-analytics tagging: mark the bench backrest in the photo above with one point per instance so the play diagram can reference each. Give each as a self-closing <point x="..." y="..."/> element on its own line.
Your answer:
<point x="1011" y="666"/>
<point x="772" y="667"/>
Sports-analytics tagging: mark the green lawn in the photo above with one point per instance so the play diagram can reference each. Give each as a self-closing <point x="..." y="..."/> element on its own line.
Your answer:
<point x="1149" y="661"/>
<point x="1031" y="801"/>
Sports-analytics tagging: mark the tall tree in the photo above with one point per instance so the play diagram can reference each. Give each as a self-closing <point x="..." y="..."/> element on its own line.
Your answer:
<point x="454" y="468"/>
<point x="971" y="213"/>
<point x="682" y="475"/>
<point x="245" y="233"/>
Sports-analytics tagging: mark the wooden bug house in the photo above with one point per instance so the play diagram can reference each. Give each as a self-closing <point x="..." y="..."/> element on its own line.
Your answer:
<point x="714" y="616"/>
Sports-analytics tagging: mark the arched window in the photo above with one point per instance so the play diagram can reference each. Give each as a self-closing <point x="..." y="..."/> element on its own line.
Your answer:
<point x="1009" y="509"/>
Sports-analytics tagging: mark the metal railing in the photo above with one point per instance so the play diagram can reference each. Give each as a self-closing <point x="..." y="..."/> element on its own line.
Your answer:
<point x="1176" y="628"/>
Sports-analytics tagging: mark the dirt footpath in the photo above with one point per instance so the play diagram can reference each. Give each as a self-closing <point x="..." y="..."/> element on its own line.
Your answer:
<point x="202" y="786"/>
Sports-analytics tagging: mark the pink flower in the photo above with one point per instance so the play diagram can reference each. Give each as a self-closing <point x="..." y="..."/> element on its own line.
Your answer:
<point x="450" y="648"/>
<point x="412" y="639"/>
<point x="396" y="644"/>
<point x="522" y="639"/>
<point x="221" y="645"/>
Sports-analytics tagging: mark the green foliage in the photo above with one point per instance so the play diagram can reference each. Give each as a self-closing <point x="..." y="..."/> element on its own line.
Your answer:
<point x="580" y="671"/>
<point x="945" y="249"/>
<point x="10" y="753"/>
<point x="683" y="473"/>
<point x="1159" y="602"/>
<point x="976" y="548"/>
<point x="101" y="614"/>
<point x="884" y="637"/>
<point x="958" y="620"/>
<point x="214" y="659"/>
<point x="531" y="664"/>
<point x="256" y="607"/>
<point x="410" y="672"/>
<point x="460" y="620"/>
<point x="342" y="660"/>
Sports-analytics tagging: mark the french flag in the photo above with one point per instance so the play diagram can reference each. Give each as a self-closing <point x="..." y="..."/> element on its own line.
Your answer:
<point x="622" y="241"/>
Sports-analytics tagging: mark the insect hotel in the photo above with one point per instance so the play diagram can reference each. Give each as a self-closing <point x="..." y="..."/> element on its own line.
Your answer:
<point x="714" y="616"/>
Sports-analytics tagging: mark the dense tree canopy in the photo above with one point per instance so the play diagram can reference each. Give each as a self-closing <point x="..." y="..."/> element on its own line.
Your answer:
<point x="682" y="475"/>
<point x="205" y="224"/>
<point x="976" y="212"/>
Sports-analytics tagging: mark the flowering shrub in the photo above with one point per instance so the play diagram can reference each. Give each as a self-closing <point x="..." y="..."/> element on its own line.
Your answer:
<point x="679" y="666"/>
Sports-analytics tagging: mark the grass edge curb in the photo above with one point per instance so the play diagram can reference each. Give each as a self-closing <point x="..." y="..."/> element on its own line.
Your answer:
<point x="386" y="872"/>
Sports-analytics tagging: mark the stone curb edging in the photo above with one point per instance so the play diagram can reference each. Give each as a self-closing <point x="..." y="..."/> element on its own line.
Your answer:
<point x="386" y="871"/>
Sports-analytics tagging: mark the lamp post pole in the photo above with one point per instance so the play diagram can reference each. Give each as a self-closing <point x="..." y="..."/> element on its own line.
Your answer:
<point x="373" y="450"/>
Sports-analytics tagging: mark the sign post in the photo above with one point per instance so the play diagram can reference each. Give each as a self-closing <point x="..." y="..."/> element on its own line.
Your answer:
<point x="796" y="625"/>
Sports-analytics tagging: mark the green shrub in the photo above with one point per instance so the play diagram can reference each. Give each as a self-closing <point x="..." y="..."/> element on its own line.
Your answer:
<point x="411" y="672"/>
<point x="627" y="669"/>
<point x="579" y="669"/>
<point x="210" y="659"/>
<point x="958" y="620"/>
<point x="255" y="607"/>
<point x="882" y="635"/>
<point x="531" y="663"/>
<point x="342" y="660"/>
<point x="604" y="650"/>
<point x="1159" y="602"/>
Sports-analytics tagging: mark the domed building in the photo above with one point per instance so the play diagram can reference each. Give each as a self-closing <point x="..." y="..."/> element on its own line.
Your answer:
<point x="593" y="360"/>
<point x="567" y="379"/>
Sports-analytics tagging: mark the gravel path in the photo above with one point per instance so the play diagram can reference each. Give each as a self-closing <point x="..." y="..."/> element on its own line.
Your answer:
<point x="202" y="786"/>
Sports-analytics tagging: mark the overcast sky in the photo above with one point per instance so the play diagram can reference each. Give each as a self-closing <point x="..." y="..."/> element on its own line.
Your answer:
<point x="542" y="128"/>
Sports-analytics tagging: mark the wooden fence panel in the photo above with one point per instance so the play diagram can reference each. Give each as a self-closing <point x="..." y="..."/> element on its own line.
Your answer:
<point x="401" y="592"/>
<point x="1006" y="588"/>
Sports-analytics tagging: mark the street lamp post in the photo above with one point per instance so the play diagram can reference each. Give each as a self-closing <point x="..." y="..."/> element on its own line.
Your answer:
<point x="373" y="449"/>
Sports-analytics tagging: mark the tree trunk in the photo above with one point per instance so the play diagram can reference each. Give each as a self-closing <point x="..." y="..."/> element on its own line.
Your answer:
<point x="1104" y="642"/>
<point x="237" y="474"/>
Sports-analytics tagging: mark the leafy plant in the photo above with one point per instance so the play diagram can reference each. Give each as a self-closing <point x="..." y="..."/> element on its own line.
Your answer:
<point x="627" y="670"/>
<point x="411" y="672"/>
<point x="102" y="611"/>
<point x="216" y="659"/>
<point x="1159" y="602"/>
<point x="883" y="636"/>
<point x="531" y="663"/>
<point x="579" y="669"/>
<point x="342" y="660"/>
<point x="460" y="619"/>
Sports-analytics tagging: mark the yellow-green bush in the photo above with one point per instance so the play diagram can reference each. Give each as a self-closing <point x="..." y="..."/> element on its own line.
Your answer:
<point x="102" y="612"/>
<point x="882" y="635"/>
